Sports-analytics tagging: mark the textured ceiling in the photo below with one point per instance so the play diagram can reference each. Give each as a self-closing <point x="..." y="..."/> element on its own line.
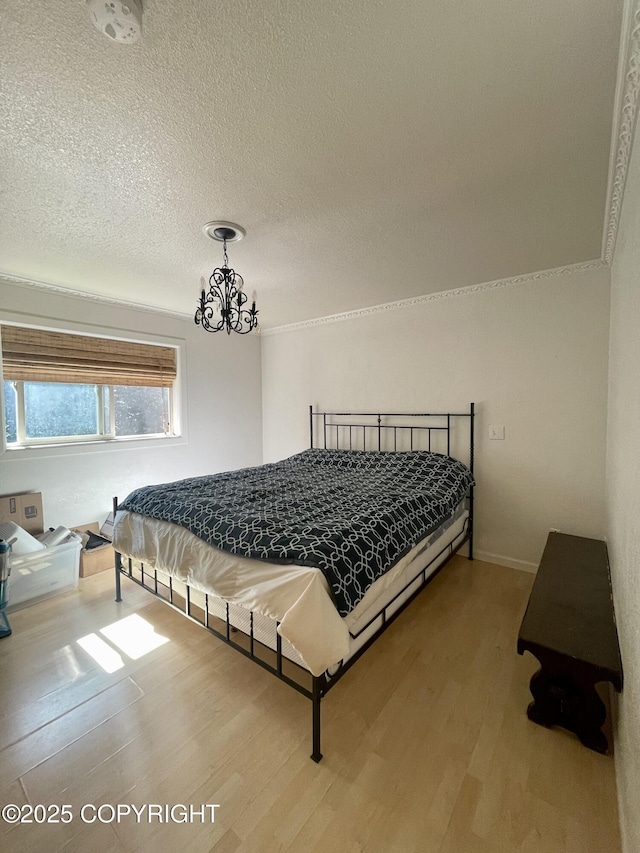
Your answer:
<point x="373" y="150"/>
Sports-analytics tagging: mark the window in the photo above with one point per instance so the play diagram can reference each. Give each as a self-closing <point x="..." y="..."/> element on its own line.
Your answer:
<point x="67" y="388"/>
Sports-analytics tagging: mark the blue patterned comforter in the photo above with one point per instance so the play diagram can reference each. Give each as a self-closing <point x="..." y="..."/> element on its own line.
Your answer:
<point x="351" y="514"/>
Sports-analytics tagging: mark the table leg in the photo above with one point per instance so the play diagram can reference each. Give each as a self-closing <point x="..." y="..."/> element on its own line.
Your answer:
<point x="562" y="697"/>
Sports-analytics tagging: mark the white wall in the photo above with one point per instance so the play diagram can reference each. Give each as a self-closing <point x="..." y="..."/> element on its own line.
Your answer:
<point x="532" y="356"/>
<point x="623" y="495"/>
<point x="221" y="403"/>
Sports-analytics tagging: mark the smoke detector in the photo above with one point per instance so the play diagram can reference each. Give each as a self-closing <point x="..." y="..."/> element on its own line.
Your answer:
<point x="120" y="21"/>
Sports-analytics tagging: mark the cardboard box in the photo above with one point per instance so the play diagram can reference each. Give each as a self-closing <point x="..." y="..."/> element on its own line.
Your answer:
<point x="96" y="559"/>
<point x="25" y="510"/>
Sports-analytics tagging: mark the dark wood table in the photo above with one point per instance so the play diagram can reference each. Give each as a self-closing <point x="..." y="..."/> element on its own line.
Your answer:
<point x="569" y="626"/>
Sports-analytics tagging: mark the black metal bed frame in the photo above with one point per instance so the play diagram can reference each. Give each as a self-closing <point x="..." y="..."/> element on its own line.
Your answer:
<point x="320" y="684"/>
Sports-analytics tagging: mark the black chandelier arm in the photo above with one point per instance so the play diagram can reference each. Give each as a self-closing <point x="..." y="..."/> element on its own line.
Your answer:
<point x="226" y="278"/>
<point x="206" y="315"/>
<point x="219" y="276"/>
<point x="216" y="289"/>
<point x="246" y="316"/>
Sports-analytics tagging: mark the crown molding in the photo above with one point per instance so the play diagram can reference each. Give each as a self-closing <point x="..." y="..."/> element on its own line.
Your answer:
<point x="625" y="117"/>
<point x="91" y="297"/>
<point x="488" y="286"/>
<point x="542" y="275"/>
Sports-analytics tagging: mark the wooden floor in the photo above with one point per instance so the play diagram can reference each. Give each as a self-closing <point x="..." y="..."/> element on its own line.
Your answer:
<point x="426" y="741"/>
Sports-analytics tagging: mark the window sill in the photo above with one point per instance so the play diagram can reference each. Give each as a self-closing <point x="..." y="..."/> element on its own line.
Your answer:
<point x="107" y="445"/>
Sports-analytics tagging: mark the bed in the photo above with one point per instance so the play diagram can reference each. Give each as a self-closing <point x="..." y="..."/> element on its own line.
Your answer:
<point x="301" y="565"/>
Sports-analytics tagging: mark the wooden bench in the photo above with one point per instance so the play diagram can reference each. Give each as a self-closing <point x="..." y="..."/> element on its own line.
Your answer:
<point x="569" y="626"/>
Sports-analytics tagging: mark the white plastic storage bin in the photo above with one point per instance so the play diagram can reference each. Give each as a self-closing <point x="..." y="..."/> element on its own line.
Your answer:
<point x="43" y="573"/>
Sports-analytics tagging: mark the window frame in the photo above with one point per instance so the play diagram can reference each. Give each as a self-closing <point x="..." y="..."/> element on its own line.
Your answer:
<point x="102" y="392"/>
<point x="56" y="445"/>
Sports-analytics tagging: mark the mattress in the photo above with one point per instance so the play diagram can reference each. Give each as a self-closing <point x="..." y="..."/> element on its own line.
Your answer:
<point x="352" y="514"/>
<point x="297" y="597"/>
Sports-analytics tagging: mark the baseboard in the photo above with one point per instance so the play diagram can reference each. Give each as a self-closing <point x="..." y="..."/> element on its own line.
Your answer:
<point x="510" y="562"/>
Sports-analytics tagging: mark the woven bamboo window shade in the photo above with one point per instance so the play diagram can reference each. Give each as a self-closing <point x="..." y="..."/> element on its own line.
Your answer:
<point x="34" y="355"/>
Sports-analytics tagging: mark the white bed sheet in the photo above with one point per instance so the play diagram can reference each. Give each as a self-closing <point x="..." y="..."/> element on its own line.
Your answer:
<point x="297" y="597"/>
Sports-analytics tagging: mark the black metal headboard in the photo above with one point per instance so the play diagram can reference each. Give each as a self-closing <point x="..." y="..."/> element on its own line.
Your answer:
<point x="393" y="431"/>
<point x="386" y="430"/>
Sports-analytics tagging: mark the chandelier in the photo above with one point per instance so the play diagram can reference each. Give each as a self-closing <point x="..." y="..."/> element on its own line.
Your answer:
<point x="222" y="306"/>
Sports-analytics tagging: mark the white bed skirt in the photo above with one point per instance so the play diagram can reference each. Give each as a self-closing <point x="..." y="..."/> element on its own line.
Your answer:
<point x="314" y="634"/>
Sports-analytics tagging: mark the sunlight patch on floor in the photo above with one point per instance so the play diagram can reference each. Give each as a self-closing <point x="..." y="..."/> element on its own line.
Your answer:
<point x="101" y="652"/>
<point x="133" y="635"/>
